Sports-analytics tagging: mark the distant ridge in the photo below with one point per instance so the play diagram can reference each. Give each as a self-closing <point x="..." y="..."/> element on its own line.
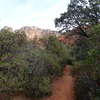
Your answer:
<point x="33" y="32"/>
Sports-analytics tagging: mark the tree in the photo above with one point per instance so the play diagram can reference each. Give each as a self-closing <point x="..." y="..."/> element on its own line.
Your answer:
<point x="92" y="12"/>
<point x="11" y="41"/>
<point x="88" y="69"/>
<point x="79" y="14"/>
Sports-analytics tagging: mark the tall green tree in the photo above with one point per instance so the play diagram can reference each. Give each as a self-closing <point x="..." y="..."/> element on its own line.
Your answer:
<point x="79" y="14"/>
<point x="92" y="12"/>
<point x="88" y="81"/>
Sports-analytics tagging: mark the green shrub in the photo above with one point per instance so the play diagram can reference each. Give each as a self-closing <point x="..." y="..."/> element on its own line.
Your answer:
<point x="80" y="50"/>
<point x="41" y="62"/>
<point x="94" y="30"/>
<point x="62" y="51"/>
<point x="89" y="68"/>
<point x="38" y="87"/>
<point x="31" y="70"/>
<point x="27" y="68"/>
<point x="10" y="42"/>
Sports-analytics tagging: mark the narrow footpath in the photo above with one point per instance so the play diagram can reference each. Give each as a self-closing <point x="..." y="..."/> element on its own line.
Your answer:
<point x="63" y="87"/>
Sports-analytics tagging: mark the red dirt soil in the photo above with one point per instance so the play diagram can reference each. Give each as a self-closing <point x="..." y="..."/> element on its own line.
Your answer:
<point x="62" y="88"/>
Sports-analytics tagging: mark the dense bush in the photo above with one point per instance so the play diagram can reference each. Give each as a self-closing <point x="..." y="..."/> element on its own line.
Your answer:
<point x="88" y="83"/>
<point x="42" y="68"/>
<point x="80" y="49"/>
<point x="26" y="67"/>
<point x="10" y="41"/>
<point x="31" y="70"/>
<point x="62" y="51"/>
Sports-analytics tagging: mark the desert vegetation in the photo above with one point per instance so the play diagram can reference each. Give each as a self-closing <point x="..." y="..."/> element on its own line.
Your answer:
<point x="84" y="17"/>
<point x="29" y="68"/>
<point x="25" y="67"/>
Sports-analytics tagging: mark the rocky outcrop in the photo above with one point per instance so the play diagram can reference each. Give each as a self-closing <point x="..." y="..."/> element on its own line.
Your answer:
<point x="33" y="32"/>
<point x="70" y="39"/>
<point x="37" y="33"/>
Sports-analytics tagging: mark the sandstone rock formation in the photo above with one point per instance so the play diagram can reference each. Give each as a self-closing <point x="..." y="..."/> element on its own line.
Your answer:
<point x="33" y="32"/>
<point x="37" y="33"/>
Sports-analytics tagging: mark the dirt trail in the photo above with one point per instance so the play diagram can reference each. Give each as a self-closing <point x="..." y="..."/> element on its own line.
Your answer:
<point x="62" y="88"/>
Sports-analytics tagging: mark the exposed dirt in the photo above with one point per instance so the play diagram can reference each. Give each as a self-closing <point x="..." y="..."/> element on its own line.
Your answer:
<point x="62" y="88"/>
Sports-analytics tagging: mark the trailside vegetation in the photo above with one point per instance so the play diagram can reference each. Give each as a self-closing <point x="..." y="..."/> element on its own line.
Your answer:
<point x="27" y="68"/>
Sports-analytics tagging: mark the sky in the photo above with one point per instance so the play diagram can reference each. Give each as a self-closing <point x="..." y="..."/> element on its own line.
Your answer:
<point x="39" y="13"/>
